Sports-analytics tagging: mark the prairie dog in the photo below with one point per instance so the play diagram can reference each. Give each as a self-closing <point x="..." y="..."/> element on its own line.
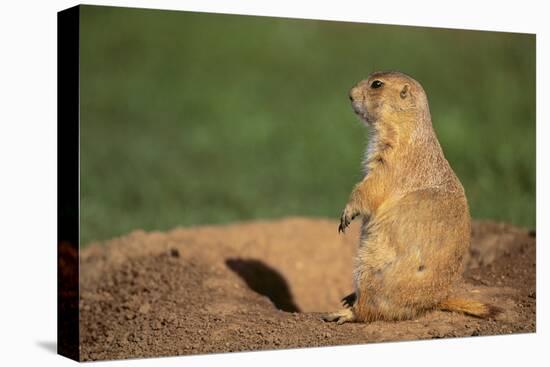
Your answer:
<point x="416" y="221"/>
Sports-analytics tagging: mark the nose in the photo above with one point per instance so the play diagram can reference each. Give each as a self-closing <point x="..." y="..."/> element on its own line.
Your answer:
<point x="355" y="93"/>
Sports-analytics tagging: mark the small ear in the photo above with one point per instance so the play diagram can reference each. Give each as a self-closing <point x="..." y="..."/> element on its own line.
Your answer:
<point x="405" y="91"/>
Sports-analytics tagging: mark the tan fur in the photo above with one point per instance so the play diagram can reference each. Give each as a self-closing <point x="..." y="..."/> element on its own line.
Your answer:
<point x="416" y="222"/>
<point x="469" y="307"/>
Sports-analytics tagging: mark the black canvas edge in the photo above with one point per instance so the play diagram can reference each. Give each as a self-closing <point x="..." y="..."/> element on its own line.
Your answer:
<point x="68" y="166"/>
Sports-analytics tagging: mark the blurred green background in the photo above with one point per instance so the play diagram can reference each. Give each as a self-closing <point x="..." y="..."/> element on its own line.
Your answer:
<point x="192" y="118"/>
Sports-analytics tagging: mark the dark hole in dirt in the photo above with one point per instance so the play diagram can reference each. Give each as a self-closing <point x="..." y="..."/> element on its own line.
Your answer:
<point x="264" y="280"/>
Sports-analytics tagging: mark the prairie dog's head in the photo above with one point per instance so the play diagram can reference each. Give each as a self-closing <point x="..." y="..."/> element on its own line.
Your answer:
<point x="387" y="95"/>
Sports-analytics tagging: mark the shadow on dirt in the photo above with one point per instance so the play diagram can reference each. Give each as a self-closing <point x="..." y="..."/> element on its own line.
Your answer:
<point x="264" y="280"/>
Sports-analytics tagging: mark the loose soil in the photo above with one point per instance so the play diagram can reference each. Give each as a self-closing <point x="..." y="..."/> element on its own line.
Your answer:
<point x="264" y="285"/>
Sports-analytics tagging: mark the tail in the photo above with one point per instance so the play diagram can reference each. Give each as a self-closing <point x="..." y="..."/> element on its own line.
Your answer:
<point x="469" y="307"/>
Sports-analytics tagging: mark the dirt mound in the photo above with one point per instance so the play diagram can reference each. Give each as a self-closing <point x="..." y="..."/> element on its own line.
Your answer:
<point x="262" y="285"/>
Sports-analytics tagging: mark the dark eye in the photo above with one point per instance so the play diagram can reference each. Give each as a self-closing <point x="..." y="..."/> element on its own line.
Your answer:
<point x="376" y="84"/>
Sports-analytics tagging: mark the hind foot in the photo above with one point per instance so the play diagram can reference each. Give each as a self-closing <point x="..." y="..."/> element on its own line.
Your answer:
<point x="349" y="300"/>
<point x="340" y="317"/>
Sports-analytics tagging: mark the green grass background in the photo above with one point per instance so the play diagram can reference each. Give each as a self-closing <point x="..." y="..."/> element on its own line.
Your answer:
<point x="190" y="118"/>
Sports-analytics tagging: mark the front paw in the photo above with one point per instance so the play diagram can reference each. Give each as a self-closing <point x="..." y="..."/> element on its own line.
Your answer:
<point x="345" y="219"/>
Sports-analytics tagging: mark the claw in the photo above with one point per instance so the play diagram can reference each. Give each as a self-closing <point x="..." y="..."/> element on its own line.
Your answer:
<point x="330" y="317"/>
<point x="340" y="317"/>
<point x="344" y="222"/>
<point x="349" y="300"/>
<point x="341" y="228"/>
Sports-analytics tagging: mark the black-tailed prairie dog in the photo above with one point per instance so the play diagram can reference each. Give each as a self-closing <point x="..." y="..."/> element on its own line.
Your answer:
<point x="416" y="222"/>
